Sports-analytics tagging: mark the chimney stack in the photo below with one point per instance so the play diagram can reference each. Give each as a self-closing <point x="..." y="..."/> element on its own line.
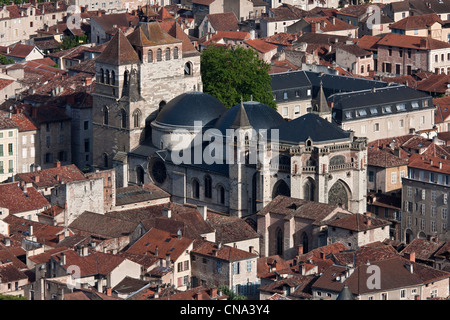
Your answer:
<point x="63" y="258"/>
<point x="440" y="164"/>
<point x="300" y="250"/>
<point x="156" y="251"/>
<point x="57" y="164"/>
<point x="167" y="260"/>
<point x="203" y="211"/>
<point x="109" y="292"/>
<point x="411" y="256"/>
<point x="30" y="230"/>
<point x="251" y="249"/>
<point x="167" y="213"/>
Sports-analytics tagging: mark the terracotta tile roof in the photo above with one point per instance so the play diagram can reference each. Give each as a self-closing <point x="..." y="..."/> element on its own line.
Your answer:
<point x="293" y="207"/>
<point x="267" y="267"/>
<point x="48" y="178"/>
<point x="282" y="38"/>
<point x="10" y="273"/>
<point x="413" y="42"/>
<point x="18" y="200"/>
<point x="442" y="111"/>
<point x="163" y="14"/>
<point x="383" y="200"/>
<point x="92" y="264"/>
<point x="384" y="158"/>
<point x="6" y="122"/>
<point x="230" y="229"/>
<point x="224" y="252"/>
<point x="118" y="51"/>
<point x="45" y="257"/>
<point x="23" y="121"/>
<point x="407" y="80"/>
<point x="102" y="226"/>
<point x="368" y="253"/>
<point x="423" y="21"/>
<point x="301" y="285"/>
<point x="261" y="45"/>
<point x="423" y="249"/>
<point x="435" y="83"/>
<point x="186" y="218"/>
<point x="193" y="294"/>
<point x="144" y="260"/>
<point x="354" y="50"/>
<point x="5" y="82"/>
<point x="444" y="251"/>
<point x="161" y="241"/>
<point x="108" y="21"/>
<point x="357" y="222"/>
<point x="21" y="50"/>
<point x="322" y="251"/>
<point x="328" y="25"/>
<point x="44" y="233"/>
<point x="6" y="256"/>
<point x="226" y="21"/>
<point x="354" y="10"/>
<point x="420" y="162"/>
<point x="277" y="66"/>
<point x="173" y="28"/>
<point x="286" y="12"/>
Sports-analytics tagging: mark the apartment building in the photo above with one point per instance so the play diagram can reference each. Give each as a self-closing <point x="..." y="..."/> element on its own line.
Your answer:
<point x="8" y="146"/>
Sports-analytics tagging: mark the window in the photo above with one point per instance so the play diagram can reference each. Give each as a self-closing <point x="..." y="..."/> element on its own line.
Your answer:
<point x="394" y="177"/>
<point x="445" y="198"/>
<point x="285" y="95"/>
<point x="105" y="115"/>
<point x="387" y="109"/>
<point x="297" y="109"/>
<point x="123" y="118"/>
<point x="1" y="150"/>
<point x="10" y="166"/>
<point x="401" y="123"/>
<point x="376" y="127"/>
<point x="422" y="119"/>
<point x="168" y="54"/>
<point x="86" y="125"/>
<point x="221" y="195"/>
<point x="444" y="213"/>
<point x="433" y="196"/>
<point x="285" y="111"/>
<point x="136" y="118"/>
<point x="415" y="105"/>
<point x="409" y="191"/>
<point x="175" y="53"/>
<point x="422" y="224"/>
<point x="158" y="55"/>
<point x="433" y="226"/>
<point x="236" y="267"/>
<point x="150" y="56"/>
<point x="424" y="194"/>
<point x="1" y="167"/>
<point x="422" y="209"/>
<point x="402" y="293"/>
<point x="24" y="152"/>
<point x="10" y="149"/>
<point x="208" y="187"/>
<point x="195" y="189"/>
<point x="249" y="266"/>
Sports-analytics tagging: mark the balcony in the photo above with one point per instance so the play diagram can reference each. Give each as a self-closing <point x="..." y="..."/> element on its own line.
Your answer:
<point x="342" y="166"/>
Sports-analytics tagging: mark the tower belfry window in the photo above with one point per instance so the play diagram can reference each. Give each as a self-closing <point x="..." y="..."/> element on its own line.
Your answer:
<point x="158" y="55"/>
<point x="168" y="54"/>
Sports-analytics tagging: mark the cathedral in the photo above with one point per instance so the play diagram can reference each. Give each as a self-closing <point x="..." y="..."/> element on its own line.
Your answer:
<point x="150" y="111"/>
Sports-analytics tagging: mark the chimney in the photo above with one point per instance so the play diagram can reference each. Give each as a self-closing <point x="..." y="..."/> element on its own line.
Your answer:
<point x="214" y="252"/>
<point x="411" y="256"/>
<point x="179" y="234"/>
<point x="440" y="164"/>
<point x="300" y="250"/>
<point x="63" y="258"/>
<point x="156" y="251"/>
<point x="36" y="178"/>
<point x="203" y="211"/>
<point x="251" y="249"/>
<point x="409" y="267"/>
<point x="61" y="237"/>
<point x="213" y="293"/>
<point x="109" y="292"/>
<point x="333" y="20"/>
<point x="7" y="242"/>
<point x="167" y="213"/>
<point x="322" y="255"/>
<point x="167" y="260"/>
<point x="85" y="251"/>
<point x="30" y="230"/>
<point x="313" y="27"/>
<point x="57" y="164"/>
<point x="198" y="296"/>
<point x="99" y="13"/>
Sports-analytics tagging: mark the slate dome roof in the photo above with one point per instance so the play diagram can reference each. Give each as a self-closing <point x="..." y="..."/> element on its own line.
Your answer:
<point x="260" y="116"/>
<point x="185" y="109"/>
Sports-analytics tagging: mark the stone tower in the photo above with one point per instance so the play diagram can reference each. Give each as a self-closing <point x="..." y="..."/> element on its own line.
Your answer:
<point x="136" y="76"/>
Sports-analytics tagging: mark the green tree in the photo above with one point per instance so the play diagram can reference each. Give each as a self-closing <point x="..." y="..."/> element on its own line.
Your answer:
<point x="231" y="73"/>
<point x="231" y="295"/>
<point x="69" y="42"/>
<point x="5" y="60"/>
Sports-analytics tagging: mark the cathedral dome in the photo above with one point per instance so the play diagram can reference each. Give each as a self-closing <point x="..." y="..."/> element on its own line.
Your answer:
<point x="259" y="115"/>
<point x="185" y="109"/>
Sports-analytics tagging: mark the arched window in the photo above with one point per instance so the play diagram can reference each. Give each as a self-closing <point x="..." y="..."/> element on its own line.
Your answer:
<point x="279" y="242"/>
<point x="107" y="77"/>
<point x="168" y="54"/>
<point x="221" y="194"/>
<point x="105" y="115"/>
<point x="158" y="55"/>
<point x="140" y="175"/>
<point x="208" y="187"/>
<point x="126" y="77"/>
<point x="113" y="78"/>
<point x="188" y="69"/>
<point x="150" y="56"/>
<point x="105" y="160"/>
<point x="195" y="189"/>
<point x="175" y="53"/>
<point x="123" y="118"/>
<point x="137" y="118"/>
<point x="102" y="75"/>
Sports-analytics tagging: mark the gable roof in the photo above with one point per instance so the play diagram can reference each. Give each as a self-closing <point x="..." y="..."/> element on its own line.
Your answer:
<point x="118" y="51"/>
<point x="412" y="42"/>
<point x="417" y="22"/>
<point x="222" y="252"/>
<point x="160" y="243"/>
<point x="101" y="225"/>
<point x="357" y="222"/>
<point x="49" y="177"/>
<point x="19" y="200"/>
<point x="261" y="45"/>
<point x="226" y="21"/>
<point x="21" y="50"/>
